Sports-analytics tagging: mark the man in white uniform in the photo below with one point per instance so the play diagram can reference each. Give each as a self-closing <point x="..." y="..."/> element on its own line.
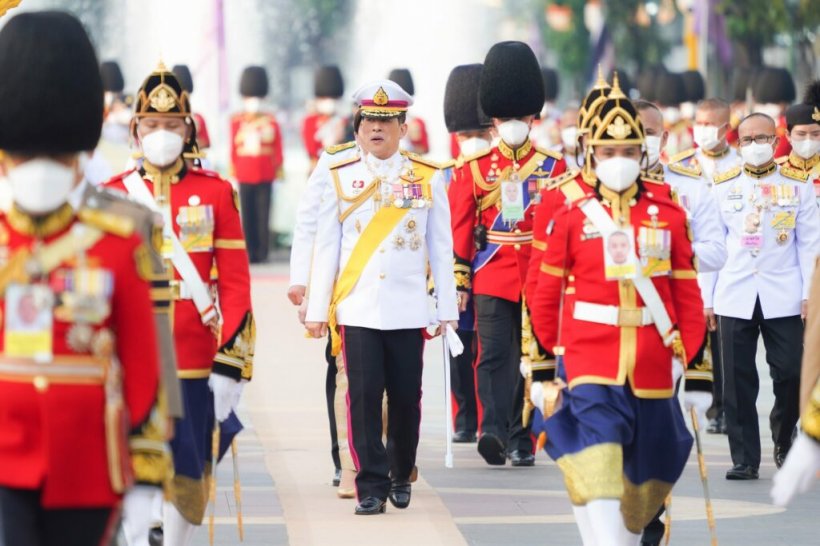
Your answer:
<point x="772" y="231"/>
<point x="382" y="219"/>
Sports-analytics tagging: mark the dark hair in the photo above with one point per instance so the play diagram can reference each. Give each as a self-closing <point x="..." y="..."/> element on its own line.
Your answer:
<point x="357" y="119"/>
<point x="641" y="105"/>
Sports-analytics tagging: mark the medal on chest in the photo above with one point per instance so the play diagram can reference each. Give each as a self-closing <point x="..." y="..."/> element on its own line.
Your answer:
<point x="654" y="246"/>
<point x="196" y="226"/>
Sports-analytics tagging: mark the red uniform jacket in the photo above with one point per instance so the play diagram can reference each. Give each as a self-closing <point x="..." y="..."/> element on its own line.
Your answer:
<point x="784" y="147"/>
<point x="311" y="126"/>
<point x="475" y="184"/>
<point x="223" y="248"/>
<point x="455" y="148"/>
<point x="602" y="353"/>
<point x="797" y="168"/>
<point x="53" y="422"/>
<point x="256" y="148"/>
<point x="203" y="139"/>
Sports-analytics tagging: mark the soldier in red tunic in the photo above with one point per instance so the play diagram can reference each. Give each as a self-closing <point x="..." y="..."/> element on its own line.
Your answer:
<point x="803" y="124"/>
<point x="202" y="232"/>
<point x="78" y="351"/>
<point x="619" y="436"/>
<point x="492" y="235"/>
<point x="324" y="128"/>
<point x="256" y="158"/>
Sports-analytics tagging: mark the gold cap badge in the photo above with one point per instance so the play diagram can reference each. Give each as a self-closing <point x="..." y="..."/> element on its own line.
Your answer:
<point x="380" y="98"/>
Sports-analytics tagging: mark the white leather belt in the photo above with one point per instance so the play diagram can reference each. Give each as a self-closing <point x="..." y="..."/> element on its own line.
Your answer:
<point x="612" y="314"/>
<point x="181" y="291"/>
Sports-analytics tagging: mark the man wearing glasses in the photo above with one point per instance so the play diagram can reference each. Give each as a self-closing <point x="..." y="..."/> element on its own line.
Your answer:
<point x="772" y="232"/>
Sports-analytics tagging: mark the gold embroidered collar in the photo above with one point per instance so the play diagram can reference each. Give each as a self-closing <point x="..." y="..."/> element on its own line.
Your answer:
<point x="41" y="226"/>
<point x="515" y="155"/>
<point x="173" y="173"/>
<point x="716" y="155"/>
<point x="803" y="164"/>
<point x="762" y="171"/>
<point x="620" y="203"/>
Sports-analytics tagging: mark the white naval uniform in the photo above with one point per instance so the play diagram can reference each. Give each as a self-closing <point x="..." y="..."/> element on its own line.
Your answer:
<point x="307" y="213"/>
<point x="391" y="293"/>
<point x="779" y="274"/>
<point x="696" y="162"/>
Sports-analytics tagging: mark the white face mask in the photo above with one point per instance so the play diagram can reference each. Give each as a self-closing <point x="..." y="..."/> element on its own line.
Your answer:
<point x="806" y="148"/>
<point x="770" y="109"/>
<point x="161" y="148"/>
<point x="617" y="173"/>
<point x="569" y="137"/>
<point x="326" y="106"/>
<point x="472" y="146"/>
<point x="41" y="185"/>
<point x="514" y="132"/>
<point x="652" y="144"/>
<point x="671" y="115"/>
<point x="706" y="137"/>
<point x="755" y="154"/>
<point x="687" y="110"/>
<point x="252" y="104"/>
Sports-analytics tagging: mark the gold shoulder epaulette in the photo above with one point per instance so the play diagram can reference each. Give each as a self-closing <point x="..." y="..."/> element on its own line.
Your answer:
<point x="345" y="162"/>
<point x="793" y="173"/>
<point x="477" y="155"/>
<point x="782" y="159"/>
<point x="691" y="172"/>
<point x="734" y="172"/>
<point x="680" y="156"/>
<point x="336" y="148"/>
<point x="646" y="177"/>
<point x="121" y="226"/>
<point x="423" y="160"/>
<point x="449" y="164"/>
<point x="562" y="179"/>
<point x="549" y="153"/>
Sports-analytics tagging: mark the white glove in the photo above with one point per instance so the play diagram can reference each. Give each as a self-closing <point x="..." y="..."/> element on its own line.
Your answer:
<point x="701" y="401"/>
<point x="453" y="341"/>
<point x="677" y="371"/>
<point x="137" y="513"/>
<point x="226" y="394"/>
<point x="537" y="395"/>
<point x="798" y="472"/>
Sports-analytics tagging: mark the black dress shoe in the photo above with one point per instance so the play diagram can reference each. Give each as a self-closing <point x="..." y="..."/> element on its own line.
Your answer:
<point x="399" y="494"/>
<point x="337" y="477"/>
<point x="780" y="452"/>
<point x="520" y="457"/>
<point x="742" y="472"/>
<point x="155" y="536"/>
<point x="463" y="437"/>
<point x="370" y="506"/>
<point x="492" y="449"/>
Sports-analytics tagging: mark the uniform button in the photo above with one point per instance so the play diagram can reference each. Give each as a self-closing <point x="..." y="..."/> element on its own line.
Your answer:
<point x="40" y="383"/>
<point x="518" y="231"/>
<point x="517" y="247"/>
<point x="382" y="275"/>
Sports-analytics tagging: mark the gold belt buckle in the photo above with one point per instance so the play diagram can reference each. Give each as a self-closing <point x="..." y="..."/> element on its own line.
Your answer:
<point x="630" y="317"/>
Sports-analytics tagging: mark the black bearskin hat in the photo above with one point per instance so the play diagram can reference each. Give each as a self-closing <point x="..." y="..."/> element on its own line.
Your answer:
<point x="403" y="77"/>
<point x="328" y="82"/>
<point x="462" y="111"/>
<point x="254" y="82"/>
<point x="511" y="83"/>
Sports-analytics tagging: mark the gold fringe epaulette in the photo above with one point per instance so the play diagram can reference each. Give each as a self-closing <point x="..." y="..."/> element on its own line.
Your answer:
<point x="549" y="153"/>
<point x="336" y="148"/>
<point x="416" y="158"/>
<point x="107" y="222"/>
<point x="734" y="172"/>
<point x="794" y="173"/>
<point x="562" y="179"/>
<point x="345" y="162"/>
<point x="684" y="170"/>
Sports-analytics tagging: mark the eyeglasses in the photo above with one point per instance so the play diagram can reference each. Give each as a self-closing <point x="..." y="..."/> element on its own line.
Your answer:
<point x="757" y="139"/>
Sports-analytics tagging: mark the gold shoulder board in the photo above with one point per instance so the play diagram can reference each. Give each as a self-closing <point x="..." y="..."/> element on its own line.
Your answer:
<point x="477" y="155"/>
<point x="680" y="156"/>
<point x="344" y="162"/>
<point x="335" y="149"/>
<point x="691" y="172"/>
<point x="728" y="175"/>
<point x="795" y="174"/>
<point x="121" y="226"/>
<point x="423" y="160"/>
<point x="562" y="179"/>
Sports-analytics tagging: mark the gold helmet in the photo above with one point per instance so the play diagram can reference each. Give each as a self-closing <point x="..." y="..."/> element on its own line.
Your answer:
<point x="615" y="120"/>
<point x="599" y="92"/>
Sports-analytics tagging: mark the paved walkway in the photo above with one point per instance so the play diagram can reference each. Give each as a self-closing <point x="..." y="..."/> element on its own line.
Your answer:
<point x="286" y="469"/>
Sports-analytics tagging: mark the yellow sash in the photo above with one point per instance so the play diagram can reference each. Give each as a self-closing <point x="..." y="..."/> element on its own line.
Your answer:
<point x="380" y="226"/>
